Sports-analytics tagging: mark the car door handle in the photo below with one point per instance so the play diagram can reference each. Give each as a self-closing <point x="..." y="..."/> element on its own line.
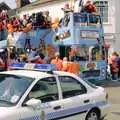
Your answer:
<point x="57" y="107"/>
<point x="86" y="101"/>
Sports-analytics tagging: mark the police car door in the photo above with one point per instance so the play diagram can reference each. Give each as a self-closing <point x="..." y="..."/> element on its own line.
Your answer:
<point x="74" y="100"/>
<point x="46" y="90"/>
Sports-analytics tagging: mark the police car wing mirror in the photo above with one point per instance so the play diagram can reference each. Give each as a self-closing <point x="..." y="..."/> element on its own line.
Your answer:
<point x="34" y="103"/>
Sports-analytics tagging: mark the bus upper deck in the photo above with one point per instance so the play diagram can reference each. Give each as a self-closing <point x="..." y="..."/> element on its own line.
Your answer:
<point x="79" y="28"/>
<point x="74" y="28"/>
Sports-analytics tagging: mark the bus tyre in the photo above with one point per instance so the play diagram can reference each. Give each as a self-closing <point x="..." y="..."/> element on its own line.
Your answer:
<point x="93" y="115"/>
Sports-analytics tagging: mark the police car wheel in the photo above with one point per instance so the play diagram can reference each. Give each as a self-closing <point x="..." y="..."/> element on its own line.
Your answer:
<point x="93" y="115"/>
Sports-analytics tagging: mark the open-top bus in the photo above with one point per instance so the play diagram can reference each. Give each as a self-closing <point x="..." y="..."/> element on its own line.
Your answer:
<point x="84" y="32"/>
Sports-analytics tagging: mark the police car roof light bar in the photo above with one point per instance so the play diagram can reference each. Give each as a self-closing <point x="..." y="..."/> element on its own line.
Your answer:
<point x="34" y="67"/>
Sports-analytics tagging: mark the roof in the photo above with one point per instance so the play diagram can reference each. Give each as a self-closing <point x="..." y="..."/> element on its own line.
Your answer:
<point x="10" y="3"/>
<point x="35" y="74"/>
<point x="43" y="1"/>
<point x="4" y="6"/>
<point x="38" y="3"/>
<point x="27" y="73"/>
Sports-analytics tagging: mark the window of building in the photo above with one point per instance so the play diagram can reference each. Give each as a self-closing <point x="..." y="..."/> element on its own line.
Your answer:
<point x="102" y="7"/>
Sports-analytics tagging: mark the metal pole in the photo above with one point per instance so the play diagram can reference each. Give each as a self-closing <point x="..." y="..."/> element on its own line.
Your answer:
<point x="8" y="46"/>
<point x="90" y="54"/>
<point x="7" y="59"/>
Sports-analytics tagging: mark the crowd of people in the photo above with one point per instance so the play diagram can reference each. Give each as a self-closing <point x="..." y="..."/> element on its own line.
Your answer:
<point x="13" y="24"/>
<point x="24" y="24"/>
<point x="40" y="20"/>
<point x="38" y="57"/>
<point x="67" y="64"/>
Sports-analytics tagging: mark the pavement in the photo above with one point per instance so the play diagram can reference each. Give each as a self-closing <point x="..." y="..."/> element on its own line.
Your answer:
<point x="113" y="89"/>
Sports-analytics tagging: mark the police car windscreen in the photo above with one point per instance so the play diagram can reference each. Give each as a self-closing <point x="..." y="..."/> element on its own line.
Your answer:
<point x="12" y="87"/>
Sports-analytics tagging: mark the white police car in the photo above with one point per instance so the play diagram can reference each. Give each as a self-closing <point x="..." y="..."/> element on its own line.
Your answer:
<point x="49" y="95"/>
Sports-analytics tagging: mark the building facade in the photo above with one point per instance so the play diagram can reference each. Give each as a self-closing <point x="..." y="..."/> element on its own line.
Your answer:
<point x="109" y="10"/>
<point x="53" y="6"/>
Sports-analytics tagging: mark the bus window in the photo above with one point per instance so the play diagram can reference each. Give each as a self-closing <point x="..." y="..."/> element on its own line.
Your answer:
<point x="90" y="19"/>
<point x="80" y="18"/>
<point x="82" y="53"/>
<point x="96" y="54"/>
<point x="94" y="19"/>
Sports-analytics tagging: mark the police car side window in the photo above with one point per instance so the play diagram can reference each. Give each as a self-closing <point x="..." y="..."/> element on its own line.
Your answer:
<point x="71" y="87"/>
<point x="45" y="90"/>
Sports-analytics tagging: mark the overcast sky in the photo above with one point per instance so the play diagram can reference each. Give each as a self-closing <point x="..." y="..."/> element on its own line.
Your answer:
<point x="10" y="3"/>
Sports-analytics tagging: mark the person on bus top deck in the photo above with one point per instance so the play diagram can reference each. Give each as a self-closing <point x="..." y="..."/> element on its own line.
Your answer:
<point x="66" y="9"/>
<point x="57" y="61"/>
<point x="48" y="19"/>
<point x="66" y="18"/>
<point x="89" y="7"/>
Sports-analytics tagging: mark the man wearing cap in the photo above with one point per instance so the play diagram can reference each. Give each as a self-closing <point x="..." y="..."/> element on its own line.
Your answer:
<point x="57" y="61"/>
<point x="65" y="20"/>
<point x="67" y="9"/>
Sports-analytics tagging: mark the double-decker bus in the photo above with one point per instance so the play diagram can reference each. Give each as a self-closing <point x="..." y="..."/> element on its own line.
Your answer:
<point x="84" y="33"/>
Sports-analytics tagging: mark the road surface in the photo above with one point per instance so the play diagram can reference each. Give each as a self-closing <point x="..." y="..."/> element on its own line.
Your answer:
<point x="113" y="89"/>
